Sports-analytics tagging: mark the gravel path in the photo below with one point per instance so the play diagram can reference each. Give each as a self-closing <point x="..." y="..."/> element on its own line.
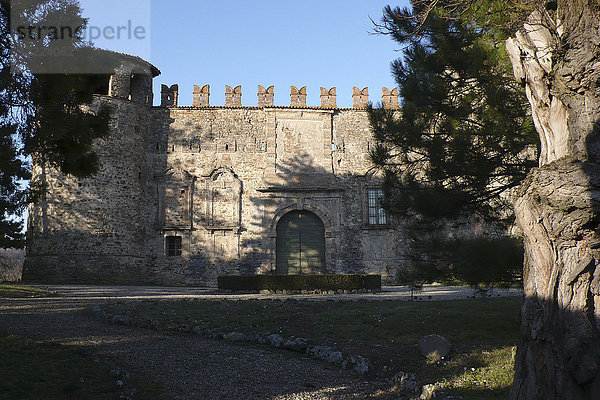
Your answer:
<point x="99" y="293"/>
<point x="189" y="367"/>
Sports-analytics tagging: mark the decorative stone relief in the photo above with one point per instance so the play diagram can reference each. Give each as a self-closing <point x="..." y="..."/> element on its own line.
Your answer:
<point x="222" y="194"/>
<point x="175" y="199"/>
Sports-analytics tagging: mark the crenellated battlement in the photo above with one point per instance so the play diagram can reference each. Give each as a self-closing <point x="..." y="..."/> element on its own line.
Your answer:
<point x="201" y="96"/>
<point x="389" y="98"/>
<point x="297" y="96"/>
<point x="360" y="98"/>
<point x="265" y="96"/>
<point x="169" y="95"/>
<point x="233" y="97"/>
<point x="328" y="98"/>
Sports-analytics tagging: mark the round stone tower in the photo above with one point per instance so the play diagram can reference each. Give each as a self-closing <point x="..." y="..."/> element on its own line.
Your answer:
<point x="92" y="230"/>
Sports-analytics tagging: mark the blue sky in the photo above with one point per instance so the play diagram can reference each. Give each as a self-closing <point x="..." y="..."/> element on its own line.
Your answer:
<point x="266" y="42"/>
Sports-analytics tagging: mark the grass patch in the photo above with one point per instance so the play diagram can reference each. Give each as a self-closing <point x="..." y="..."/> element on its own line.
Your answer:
<point x="41" y="370"/>
<point x="483" y="332"/>
<point x="15" y="291"/>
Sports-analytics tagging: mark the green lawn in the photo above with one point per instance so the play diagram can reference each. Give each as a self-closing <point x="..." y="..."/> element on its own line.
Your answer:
<point x="483" y="332"/>
<point x="13" y="291"/>
<point x="41" y="370"/>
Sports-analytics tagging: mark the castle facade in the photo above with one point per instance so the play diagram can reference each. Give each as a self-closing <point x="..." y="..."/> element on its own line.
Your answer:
<point x="185" y="194"/>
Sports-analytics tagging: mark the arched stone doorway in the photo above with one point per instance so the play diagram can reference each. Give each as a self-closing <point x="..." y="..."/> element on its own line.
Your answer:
<point x="300" y="247"/>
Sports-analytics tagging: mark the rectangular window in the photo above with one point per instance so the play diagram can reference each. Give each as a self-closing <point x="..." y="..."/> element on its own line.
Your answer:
<point x="173" y="246"/>
<point x="376" y="212"/>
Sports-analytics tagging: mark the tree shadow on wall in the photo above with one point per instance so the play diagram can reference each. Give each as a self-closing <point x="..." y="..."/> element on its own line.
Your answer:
<point x="295" y="184"/>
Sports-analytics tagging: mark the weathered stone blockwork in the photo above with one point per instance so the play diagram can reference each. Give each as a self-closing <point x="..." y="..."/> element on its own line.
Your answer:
<point x="219" y="178"/>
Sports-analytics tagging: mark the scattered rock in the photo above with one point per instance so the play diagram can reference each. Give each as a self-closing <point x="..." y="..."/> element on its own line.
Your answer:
<point x="235" y="337"/>
<point x="214" y="333"/>
<point x="298" y="344"/>
<point x="432" y="392"/>
<point x="359" y="364"/>
<point x="405" y="381"/>
<point x="335" y="357"/>
<point x="257" y="337"/>
<point x="275" y="340"/>
<point x="319" y="351"/>
<point x="428" y="392"/>
<point x="198" y="330"/>
<point x="434" y="346"/>
<point x="326" y="353"/>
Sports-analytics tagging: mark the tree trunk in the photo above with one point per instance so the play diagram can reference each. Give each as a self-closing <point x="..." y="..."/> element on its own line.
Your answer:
<point x="557" y="58"/>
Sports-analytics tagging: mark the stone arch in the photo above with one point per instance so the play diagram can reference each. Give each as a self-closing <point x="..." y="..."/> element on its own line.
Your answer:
<point x="178" y="174"/>
<point x="222" y="169"/>
<point x="322" y="214"/>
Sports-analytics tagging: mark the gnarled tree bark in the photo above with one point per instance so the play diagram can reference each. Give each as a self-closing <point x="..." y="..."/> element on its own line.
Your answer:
<point x="557" y="57"/>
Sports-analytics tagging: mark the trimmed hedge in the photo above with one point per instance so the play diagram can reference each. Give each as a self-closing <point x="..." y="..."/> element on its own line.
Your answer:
<point x="300" y="282"/>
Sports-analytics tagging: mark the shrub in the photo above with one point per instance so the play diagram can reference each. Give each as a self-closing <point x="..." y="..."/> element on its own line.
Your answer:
<point x="11" y="264"/>
<point x="486" y="261"/>
<point x="300" y="282"/>
<point x="480" y="262"/>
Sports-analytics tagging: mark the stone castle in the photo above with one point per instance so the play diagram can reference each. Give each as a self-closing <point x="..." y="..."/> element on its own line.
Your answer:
<point x="188" y="193"/>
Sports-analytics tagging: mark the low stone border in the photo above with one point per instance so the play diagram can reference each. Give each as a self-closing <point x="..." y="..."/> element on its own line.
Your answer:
<point x="355" y="362"/>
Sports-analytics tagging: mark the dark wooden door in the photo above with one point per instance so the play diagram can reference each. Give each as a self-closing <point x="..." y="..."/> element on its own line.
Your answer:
<point x="300" y="244"/>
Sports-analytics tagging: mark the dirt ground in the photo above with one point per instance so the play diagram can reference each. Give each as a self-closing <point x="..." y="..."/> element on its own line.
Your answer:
<point x="189" y="366"/>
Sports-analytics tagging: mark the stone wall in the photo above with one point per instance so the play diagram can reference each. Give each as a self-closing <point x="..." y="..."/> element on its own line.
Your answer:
<point x="93" y="229"/>
<point x="243" y="168"/>
<point x="186" y="194"/>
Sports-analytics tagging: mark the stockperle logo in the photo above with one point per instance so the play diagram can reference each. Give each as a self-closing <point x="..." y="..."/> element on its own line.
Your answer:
<point x="60" y="36"/>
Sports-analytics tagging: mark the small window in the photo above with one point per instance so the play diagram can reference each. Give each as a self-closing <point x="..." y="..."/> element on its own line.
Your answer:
<point x="173" y="246"/>
<point x="377" y="215"/>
